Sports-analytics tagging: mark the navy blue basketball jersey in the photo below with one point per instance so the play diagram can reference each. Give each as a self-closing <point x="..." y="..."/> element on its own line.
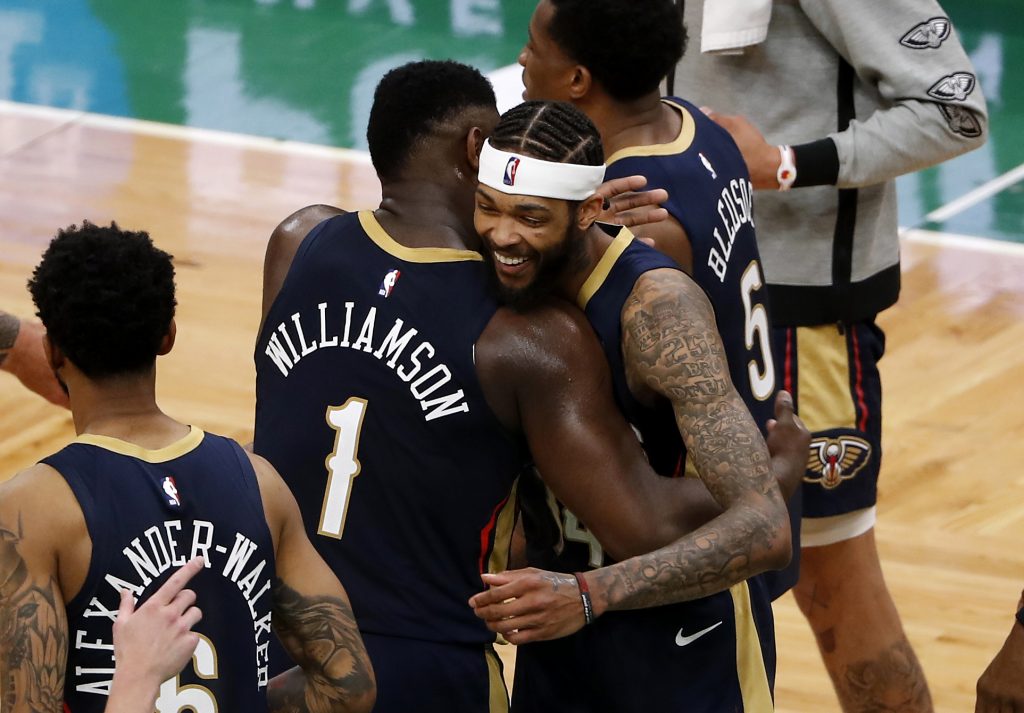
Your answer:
<point x="368" y="404"/>
<point x="710" y="195"/>
<point x="148" y="512"/>
<point x="731" y="669"/>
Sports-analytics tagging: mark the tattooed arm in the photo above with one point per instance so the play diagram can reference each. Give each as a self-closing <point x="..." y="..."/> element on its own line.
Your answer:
<point x="672" y="350"/>
<point x="312" y="617"/>
<point x="33" y="622"/>
<point x="22" y="354"/>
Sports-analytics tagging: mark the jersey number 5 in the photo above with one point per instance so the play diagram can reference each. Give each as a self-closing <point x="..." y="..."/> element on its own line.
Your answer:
<point x="762" y="383"/>
<point x="342" y="464"/>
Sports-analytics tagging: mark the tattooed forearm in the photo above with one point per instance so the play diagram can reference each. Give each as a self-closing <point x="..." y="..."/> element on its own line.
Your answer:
<point x="320" y="634"/>
<point x="33" y="634"/>
<point x="9" y="327"/>
<point x="672" y="350"/>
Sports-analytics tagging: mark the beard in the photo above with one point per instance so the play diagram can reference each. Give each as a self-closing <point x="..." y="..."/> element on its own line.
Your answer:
<point x="553" y="266"/>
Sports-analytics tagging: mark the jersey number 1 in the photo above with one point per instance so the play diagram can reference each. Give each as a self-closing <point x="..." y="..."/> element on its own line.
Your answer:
<point x="342" y="464"/>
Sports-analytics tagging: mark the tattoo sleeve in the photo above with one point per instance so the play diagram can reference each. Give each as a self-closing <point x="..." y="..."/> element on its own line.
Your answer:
<point x="33" y="634"/>
<point x="320" y="634"/>
<point x="672" y="350"/>
<point x="9" y="327"/>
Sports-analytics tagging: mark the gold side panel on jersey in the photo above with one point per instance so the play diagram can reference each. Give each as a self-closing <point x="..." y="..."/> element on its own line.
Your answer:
<point x="823" y="374"/>
<point x="498" y="561"/>
<point x="676" y="146"/>
<point x="159" y="455"/>
<point x="604" y="266"/>
<point x="498" y="694"/>
<point x="750" y="670"/>
<point x="389" y="245"/>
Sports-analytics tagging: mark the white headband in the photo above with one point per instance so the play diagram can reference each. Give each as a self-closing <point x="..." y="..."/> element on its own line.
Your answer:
<point x="526" y="176"/>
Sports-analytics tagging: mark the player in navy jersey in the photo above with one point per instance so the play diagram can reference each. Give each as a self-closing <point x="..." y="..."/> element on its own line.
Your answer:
<point x="613" y="76"/>
<point x="136" y="496"/>
<point x="396" y="400"/>
<point x="715" y="650"/>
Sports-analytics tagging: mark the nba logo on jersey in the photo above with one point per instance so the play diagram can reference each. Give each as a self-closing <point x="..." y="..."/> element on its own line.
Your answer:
<point x="388" y="283"/>
<point x="510" y="171"/>
<point x="171" y="491"/>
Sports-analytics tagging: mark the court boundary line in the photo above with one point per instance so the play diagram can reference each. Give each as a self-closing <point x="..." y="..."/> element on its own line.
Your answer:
<point x="183" y="133"/>
<point x="69" y="117"/>
<point x="973" y="197"/>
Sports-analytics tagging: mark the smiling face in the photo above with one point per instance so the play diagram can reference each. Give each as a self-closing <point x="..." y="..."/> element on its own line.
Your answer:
<point x="547" y="70"/>
<point x="532" y="243"/>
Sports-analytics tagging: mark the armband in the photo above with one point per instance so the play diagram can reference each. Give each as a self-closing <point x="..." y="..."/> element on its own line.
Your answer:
<point x="588" y="606"/>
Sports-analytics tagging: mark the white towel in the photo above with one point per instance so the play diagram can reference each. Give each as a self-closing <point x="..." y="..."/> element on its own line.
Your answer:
<point x="729" y="26"/>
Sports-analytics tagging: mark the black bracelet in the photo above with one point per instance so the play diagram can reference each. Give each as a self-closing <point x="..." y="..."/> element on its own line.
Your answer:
<point x="588" y="606"/>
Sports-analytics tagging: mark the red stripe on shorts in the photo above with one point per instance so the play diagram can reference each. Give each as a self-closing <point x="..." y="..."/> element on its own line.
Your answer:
<point x="858" y="384"/>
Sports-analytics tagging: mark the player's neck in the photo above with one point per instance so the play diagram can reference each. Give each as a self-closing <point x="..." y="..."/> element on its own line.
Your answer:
<point x="124" y="408"/>
<point x="597" y="242"/>
<point x="643" y="122"/>
<point x="427" y="214"/>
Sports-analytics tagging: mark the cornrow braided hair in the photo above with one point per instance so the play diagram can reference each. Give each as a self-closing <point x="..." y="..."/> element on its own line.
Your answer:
<point x="552" y="131"/>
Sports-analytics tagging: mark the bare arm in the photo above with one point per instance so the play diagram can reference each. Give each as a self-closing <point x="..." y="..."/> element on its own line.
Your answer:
<point x="544" y="373"/>
<point x="22" y="354"/>
<point x="284" y="243"/>
<point x="1001" y="686"/>
<point x="672" y="350"/>
<point x="33" y="622"/>
<point x="680" y="358"/>
<point x="312" y="617"/>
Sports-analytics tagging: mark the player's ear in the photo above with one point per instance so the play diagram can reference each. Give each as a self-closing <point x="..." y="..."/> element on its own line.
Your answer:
<point x="581" y="83"/>
<point x="54" y="356"/>
<point x="588" y="211"/>
<point x="474" y="145"/>
<point x="167" y="343"/>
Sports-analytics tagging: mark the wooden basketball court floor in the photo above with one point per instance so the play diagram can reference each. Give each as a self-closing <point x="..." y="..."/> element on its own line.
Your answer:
<point x="951" y="510"/>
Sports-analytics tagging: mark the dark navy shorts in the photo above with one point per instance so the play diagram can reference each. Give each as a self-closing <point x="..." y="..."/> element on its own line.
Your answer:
<point x="832" y="372"/>
<point x="712" y="655"/>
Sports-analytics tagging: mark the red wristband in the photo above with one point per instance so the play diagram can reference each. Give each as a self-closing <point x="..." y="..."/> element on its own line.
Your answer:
<point x="588" y="606"/>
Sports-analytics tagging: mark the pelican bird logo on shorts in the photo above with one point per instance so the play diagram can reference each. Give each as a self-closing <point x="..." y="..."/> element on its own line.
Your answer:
<point x="510" y="171"/>
<point x="954" y="87"/>
<point x="927" y="35"/>
<point x="833" y="460"/>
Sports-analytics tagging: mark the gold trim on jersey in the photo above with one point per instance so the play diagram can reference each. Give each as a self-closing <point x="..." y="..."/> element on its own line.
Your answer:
<point x="160" y="455"/>
<point x="604" y="266"/>
<point x="753" y="679"/>
<point x="503" y="527"/>
<point x="497" y="700"/>
<point x="682" y="142"/>
<point x="389" y="245"/>
<point x="823" y="374"/>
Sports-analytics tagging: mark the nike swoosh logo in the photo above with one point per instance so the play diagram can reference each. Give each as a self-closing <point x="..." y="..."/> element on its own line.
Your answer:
<point x="687" y="640"/>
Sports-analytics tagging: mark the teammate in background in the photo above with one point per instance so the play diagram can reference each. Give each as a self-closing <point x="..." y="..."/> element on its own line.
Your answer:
<point x="135" y="497"/>
<point x="1001" y="686"/>
<point x="535" y="212"/>
<point x="891" y="91"/>
<point x="383" y="356"/>
<point x="608" y="60"/>
<point x="21" y="354"/>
